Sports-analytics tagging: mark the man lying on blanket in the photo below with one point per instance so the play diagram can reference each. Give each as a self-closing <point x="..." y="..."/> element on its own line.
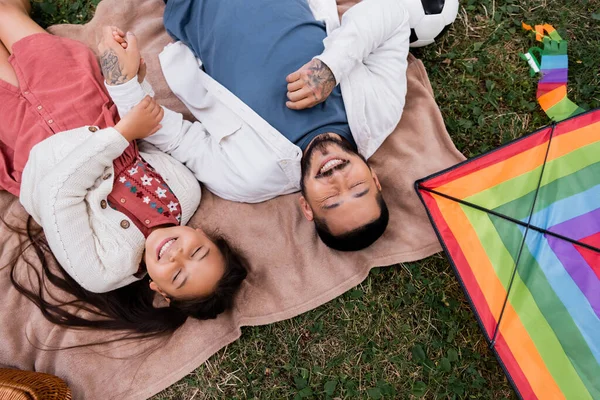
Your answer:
<point x="288" y="99"/>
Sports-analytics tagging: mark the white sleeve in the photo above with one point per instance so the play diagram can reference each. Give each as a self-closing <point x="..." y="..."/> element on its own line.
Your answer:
<point x="129" y="94"/>
<point x="174" y="127"/>
<point x="64" y="216"/>
<point x="187" y="142"/>
<point x="223" y="151"/>
<point x="368" y="55"/>
<point x="364" y="37"/>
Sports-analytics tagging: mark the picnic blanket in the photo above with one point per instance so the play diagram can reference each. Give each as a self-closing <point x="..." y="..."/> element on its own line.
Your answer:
<point x="291" y="271"/>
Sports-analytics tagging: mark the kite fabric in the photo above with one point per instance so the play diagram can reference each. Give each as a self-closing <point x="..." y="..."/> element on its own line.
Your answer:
<point x="521" y="226"/>
<point x="554" y="70"/>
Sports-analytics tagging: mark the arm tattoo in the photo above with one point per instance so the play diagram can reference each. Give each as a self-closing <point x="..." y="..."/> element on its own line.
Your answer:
<point x="109" y="61"/>
<point x="320" y="80"/>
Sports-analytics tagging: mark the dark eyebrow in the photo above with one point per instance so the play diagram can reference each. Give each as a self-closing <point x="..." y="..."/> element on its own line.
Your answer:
<point x="361" y="194"/>
<point x="334" y="205"/>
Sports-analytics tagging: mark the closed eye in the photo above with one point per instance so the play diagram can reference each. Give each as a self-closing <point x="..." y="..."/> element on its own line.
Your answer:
<point x="357" y="195"/>
<point x="361" y="194"/>
<point x="205" y="255"/>
<point x="202" y="251"/>
<point x="176" y="275"/>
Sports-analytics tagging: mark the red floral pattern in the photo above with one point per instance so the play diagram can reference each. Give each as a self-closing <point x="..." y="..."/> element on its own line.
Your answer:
<point x="140" y="193"/>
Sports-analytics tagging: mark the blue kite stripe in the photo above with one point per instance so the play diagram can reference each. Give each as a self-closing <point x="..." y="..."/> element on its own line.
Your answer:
<point x="567" y="291"/>
<point x="566" y="209"/>
<point x="555" y="62"/>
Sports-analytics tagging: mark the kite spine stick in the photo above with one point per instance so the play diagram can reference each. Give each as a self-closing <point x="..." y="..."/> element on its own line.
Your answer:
<point x="514" y="272"/>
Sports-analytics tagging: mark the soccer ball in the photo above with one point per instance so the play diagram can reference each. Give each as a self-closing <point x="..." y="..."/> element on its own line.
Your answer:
<point x="429" y="19"/>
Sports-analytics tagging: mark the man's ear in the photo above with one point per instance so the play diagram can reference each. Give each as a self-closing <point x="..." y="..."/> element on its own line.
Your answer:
<point x="306" y="210"/>
<point x="376" y="179"/>
<point x="154" y="286"/>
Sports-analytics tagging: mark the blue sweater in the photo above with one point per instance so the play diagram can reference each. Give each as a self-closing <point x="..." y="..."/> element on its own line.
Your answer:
<point x="250" y="47"/>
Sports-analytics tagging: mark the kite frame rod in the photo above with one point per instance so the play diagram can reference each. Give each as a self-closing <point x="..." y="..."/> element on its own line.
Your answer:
<point x="511" y="219"/>
<point x="532" y="209"/>
<point x="527" y="225"/>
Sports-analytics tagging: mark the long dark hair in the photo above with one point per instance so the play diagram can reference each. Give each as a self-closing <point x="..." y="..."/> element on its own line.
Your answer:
<point x="130" y="308"/>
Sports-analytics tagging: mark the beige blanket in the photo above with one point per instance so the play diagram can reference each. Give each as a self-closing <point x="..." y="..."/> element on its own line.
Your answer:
<point x="291" y="270"/>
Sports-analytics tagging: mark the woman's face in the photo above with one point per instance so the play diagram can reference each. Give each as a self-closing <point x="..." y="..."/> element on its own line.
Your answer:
<point x="183" y="262"/>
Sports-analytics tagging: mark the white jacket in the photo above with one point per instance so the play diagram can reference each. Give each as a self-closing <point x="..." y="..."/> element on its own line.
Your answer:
<point x="235" y="152"/>
<point x="64" y="183"/>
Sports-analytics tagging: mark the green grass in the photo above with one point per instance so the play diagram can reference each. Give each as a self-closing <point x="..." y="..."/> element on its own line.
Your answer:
<point x="407" y="331"/>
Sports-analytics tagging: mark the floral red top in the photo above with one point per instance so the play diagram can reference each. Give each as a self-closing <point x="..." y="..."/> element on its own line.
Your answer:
<point x="140" y="193"/>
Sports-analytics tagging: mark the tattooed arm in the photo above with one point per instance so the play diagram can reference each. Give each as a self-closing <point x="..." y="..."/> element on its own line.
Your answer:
<point x="111" y="69"/>
<point x="372" y="38"/>
<point x="310" y="85"/>
<point x="119" y="65"/>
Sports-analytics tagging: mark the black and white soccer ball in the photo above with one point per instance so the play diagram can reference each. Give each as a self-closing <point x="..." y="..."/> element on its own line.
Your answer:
<point x="429" y="19"/>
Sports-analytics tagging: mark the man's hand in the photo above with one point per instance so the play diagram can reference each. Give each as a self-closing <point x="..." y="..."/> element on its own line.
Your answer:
<point x="142" y="121"/>
<point x="119" y="37"/>
<point x="310" y="85"/>
<point x="119" y="62"/>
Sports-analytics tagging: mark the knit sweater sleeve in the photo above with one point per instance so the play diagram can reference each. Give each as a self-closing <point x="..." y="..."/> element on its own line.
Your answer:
<point x="58" y="197"/>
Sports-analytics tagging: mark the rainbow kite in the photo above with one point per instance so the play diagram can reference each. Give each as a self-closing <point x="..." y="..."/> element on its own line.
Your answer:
<point x="521" y="226"/>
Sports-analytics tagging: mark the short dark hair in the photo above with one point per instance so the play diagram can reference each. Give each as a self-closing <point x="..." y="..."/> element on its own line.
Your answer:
<point x="359" y="238"/>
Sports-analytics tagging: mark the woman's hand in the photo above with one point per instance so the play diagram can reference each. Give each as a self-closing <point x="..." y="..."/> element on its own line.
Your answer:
<point x="142" y="121"/>
<point x="310" y="85"/>
<point x="119" y="63"/>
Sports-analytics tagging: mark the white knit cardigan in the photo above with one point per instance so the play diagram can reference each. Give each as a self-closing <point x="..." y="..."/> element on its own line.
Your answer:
<point x="64" y="187"/>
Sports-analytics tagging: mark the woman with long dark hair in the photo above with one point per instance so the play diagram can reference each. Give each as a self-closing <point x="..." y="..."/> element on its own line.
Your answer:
<point x="113" y="213"/>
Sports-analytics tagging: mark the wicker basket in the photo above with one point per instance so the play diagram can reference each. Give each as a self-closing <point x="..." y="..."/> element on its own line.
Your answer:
<point x="26" y="385"/>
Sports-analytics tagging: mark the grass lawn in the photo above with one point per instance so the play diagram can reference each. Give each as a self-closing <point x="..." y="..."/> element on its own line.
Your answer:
<point x="407" y="331"/>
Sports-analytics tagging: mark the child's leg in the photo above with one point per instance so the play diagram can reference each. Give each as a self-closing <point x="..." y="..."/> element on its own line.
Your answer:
<point x="15" y="23"/>
<point x="7" y="73"/>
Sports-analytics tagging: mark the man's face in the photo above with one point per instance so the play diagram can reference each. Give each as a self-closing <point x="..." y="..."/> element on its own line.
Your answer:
<point x="339" y="187"/>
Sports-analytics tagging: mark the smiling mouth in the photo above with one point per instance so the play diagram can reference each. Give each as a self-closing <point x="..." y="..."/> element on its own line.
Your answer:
<point x="162" y="249"/>
<point x="331" y="164"/>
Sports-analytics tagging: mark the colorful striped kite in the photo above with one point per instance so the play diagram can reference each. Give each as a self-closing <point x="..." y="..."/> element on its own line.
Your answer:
<point x="521" y="226"/>
<point x="554" y="68"/>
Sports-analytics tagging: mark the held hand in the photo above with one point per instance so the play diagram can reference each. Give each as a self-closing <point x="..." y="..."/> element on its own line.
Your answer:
<point x="142" y="121"/>
<point x="120" y="60"/>
<point x="310" y="85"/>
<point x="119" y="37"/>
